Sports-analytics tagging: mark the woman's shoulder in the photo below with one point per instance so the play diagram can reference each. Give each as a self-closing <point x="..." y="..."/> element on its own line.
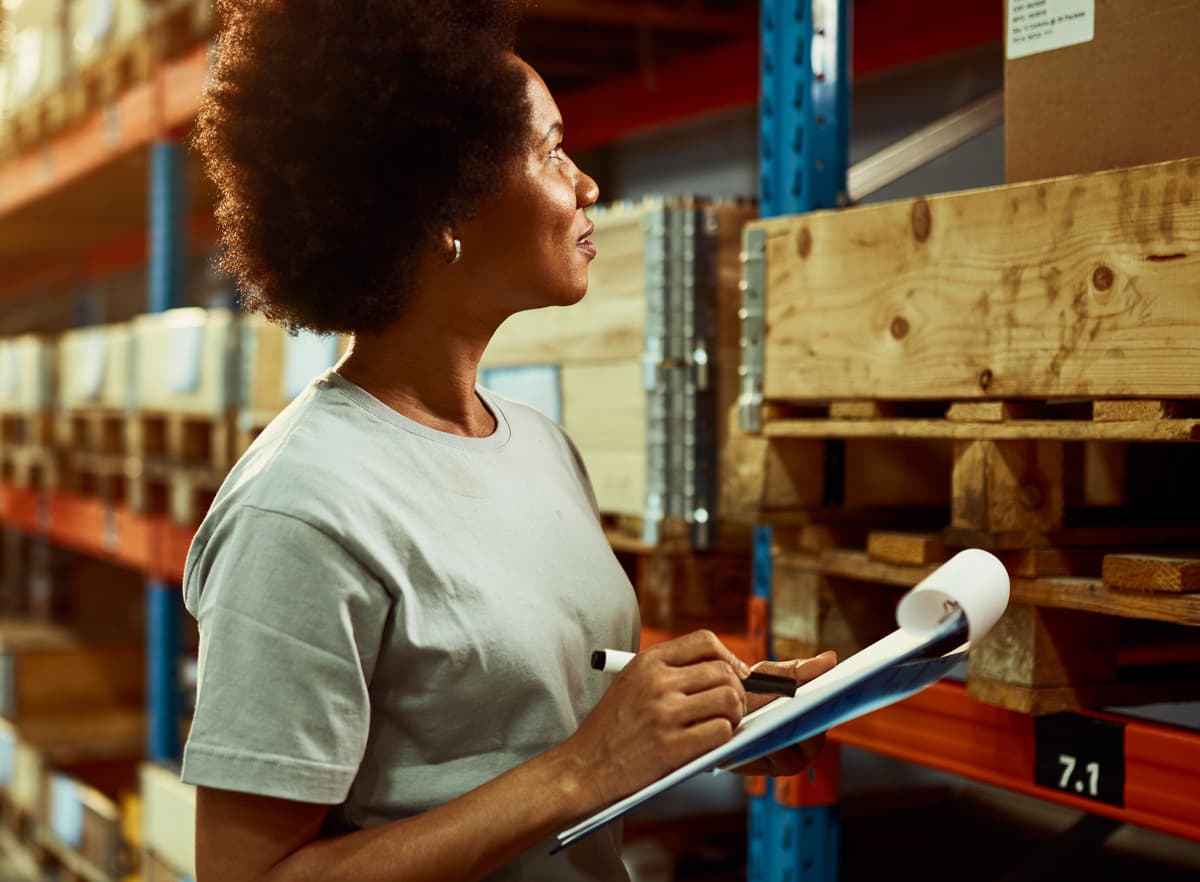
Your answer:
<point x="304" y="462"/>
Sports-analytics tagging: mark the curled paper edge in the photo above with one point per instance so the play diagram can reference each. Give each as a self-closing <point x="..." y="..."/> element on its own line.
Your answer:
<point x="974" y="581"/>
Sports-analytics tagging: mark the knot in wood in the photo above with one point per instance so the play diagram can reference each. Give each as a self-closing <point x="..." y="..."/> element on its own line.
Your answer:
<point x="985" y="379"/>
<point x="922" y="220"/>
<point x="899" y="327"/>
<point x="804" y="243"/>
<point x="1102" y="278"/>
<point x="1031" y="496"/>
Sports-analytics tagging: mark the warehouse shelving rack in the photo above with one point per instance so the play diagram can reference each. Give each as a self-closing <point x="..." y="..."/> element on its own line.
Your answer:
<point x="804" y="119"/>
<point x="940" y="728"/>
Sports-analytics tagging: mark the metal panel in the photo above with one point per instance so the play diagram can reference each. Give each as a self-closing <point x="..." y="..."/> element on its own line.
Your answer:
<point x="654" y="376"/>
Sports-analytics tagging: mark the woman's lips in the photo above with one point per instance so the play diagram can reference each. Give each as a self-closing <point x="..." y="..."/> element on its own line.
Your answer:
<point x="586" y="246"/>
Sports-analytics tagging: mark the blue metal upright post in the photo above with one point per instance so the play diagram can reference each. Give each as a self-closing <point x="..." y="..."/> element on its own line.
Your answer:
<point x="163" y="601"/>
<point x="804" y="110"/>
<point x="804" y="151"/>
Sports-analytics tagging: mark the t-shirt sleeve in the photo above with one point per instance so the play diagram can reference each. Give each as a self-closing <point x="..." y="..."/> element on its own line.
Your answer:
<point x="290" y="628"/>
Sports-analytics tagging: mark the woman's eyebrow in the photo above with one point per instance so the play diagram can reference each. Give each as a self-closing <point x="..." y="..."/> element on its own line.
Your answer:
<point x="555" y="129"/>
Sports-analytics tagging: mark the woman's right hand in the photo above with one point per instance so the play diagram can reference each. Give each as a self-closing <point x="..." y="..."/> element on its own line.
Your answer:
<point x="671" y="703"/>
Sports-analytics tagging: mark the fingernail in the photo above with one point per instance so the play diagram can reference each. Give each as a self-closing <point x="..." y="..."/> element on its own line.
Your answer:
<point x="743" y="669"/>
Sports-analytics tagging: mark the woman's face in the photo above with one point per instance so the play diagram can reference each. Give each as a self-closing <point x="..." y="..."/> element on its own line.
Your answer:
<point x="531" y="237"/>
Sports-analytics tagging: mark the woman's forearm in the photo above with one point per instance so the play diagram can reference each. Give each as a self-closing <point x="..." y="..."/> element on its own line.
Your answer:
<point x="467" y="838"/>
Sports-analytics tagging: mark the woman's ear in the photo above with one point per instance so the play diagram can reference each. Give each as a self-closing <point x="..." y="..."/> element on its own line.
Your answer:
<point x="451" y="245"/>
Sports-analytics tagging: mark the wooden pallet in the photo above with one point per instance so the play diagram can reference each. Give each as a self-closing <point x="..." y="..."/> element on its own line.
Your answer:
<point x="1069" y="640"/>
<point x="181" y="440"/>
<point x="681" y="589"/>
<point x="91" y="430"/>
<point x="29" y="466"/>
<point x="183" y="493"/>
<point x="31" y="428"/>
<point x="1073" y="287"/>
<point x="1004" y="473"/>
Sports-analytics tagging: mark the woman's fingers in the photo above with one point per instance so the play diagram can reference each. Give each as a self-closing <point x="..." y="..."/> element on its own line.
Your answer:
<point x="704" y="675"/>
<point x="799" y="669"/>
<point x="695" y="647"/>
<point x="725" y="701"/>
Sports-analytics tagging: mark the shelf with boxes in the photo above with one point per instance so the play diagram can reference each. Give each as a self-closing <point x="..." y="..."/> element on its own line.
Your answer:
<point x="70" y="58"/>
<point x="147" y="416"/>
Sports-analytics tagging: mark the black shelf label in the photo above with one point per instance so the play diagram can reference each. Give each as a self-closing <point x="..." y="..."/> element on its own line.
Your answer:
<point x="1083" y="756"/>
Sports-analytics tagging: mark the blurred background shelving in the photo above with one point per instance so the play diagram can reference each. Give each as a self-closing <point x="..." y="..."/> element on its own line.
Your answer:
<point x="106" y="224"/>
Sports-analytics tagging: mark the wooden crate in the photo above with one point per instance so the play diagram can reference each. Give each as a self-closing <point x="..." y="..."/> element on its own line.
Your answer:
<point x="35" y="67"/>
<point x="169" y="823"/>
<point x="95" y="372"/>
<point x="181" y="492"/>
<point x="45" y="671"/>
<point x="184" y="362"/>
<point x="27" y="366"/>
<point x="642" y="372"/>
<point x="101" y="28"/>
<point x="1074" y="287"/>
<point x="681" y="588"/>
<point x="1069" y="639"/>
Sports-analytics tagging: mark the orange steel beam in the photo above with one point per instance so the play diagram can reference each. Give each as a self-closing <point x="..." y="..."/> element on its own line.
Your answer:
<point x="943" y="729"/>
<point x="165" y="102"/>
<point x="150" y="544"/>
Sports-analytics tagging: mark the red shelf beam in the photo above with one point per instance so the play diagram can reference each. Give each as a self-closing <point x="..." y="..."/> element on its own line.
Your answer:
<point x="888" y="34"/>
<point x="150" y="544"/>
<point x="943" y="729"/>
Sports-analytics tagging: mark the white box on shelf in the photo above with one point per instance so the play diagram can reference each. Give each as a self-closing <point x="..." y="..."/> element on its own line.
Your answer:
<point x="184" y="361"/>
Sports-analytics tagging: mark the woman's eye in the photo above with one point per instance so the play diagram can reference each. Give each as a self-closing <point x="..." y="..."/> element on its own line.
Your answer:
<point x="557" y="152"/>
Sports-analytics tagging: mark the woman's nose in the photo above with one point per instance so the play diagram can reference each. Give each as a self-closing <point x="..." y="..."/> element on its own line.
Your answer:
<point x="586" y="189"/>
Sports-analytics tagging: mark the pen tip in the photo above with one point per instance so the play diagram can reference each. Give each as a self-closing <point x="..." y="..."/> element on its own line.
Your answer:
<point x="598" y="660"/>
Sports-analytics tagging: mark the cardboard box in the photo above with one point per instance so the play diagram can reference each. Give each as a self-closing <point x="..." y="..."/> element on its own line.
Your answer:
<point x="27" y="369"/>
<point x="1125" y="96"/>
<point x="98" y="27"/>
<point x="276" y="366"/>
<point x="169" y="820"/>
<point x="184" y="361"/>
<point x="96" y="368"/>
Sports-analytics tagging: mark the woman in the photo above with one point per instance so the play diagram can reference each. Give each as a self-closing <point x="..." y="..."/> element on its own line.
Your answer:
<point x="399" y="585"/>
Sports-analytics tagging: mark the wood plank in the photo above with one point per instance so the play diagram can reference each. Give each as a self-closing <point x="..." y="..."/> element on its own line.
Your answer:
<point x="857" y="410"/>
<point x="1007" y="485"/>
<point x="849" y="564"/>
<point x="1088" y="594"/>
<point x="1136" y="410"/>
<point x="1040" y="700"/>
<point x="1012" y="430"/>
<point x="912" y="549"/>
<point x="1042" y="646"/>
<point x="979" y="412"/>
<point x="1079" y="286"/>
<point x="1092" y="595"/>
<point x="604" y="412"/>
<point x="1146" y="572"/>
<point x="1076" y="538"/>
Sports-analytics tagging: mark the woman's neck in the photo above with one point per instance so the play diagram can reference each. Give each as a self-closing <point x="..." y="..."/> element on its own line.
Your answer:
<point x="425" y="370"/>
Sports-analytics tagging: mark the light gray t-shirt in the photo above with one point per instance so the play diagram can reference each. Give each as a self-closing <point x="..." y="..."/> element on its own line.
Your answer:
<point x="391" y="615"/>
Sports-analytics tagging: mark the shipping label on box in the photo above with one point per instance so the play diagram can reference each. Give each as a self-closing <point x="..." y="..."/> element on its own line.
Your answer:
<point x="1044" y="25"/>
